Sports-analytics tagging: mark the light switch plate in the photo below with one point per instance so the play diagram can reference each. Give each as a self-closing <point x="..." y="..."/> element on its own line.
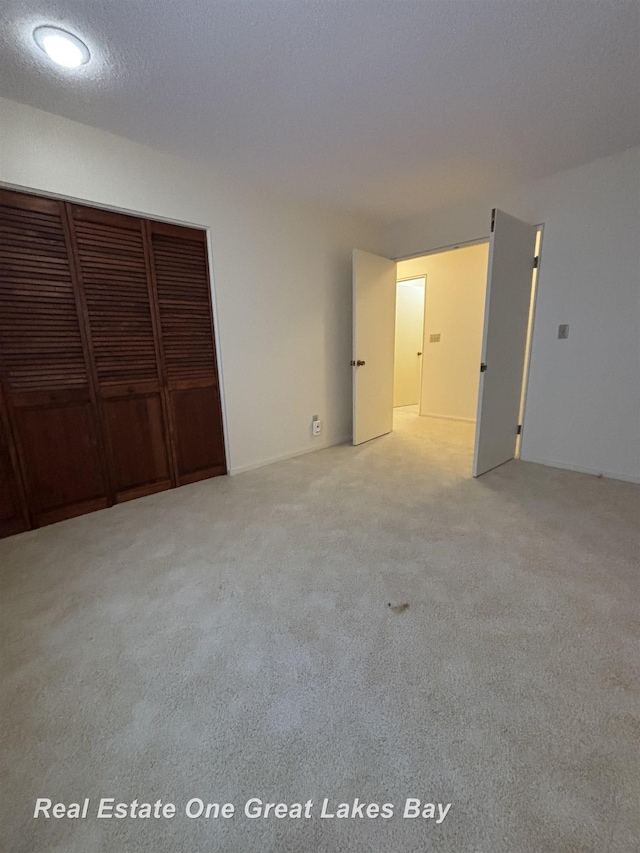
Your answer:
<point x="434" y="339"/>
<point x="563" y="331"/>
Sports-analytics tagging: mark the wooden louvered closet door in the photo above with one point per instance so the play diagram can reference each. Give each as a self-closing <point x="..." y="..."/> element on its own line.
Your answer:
<point x="108" y="378"/>
<point x="112" y="255"/>
<point x="181" y="278"/>
<point x="50" y="451"/>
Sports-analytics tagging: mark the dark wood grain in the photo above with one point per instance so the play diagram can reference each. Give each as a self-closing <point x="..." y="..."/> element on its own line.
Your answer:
<point x="63" y="462"/>
<point x="200" y="443"/>
<point x="135" y="434"/>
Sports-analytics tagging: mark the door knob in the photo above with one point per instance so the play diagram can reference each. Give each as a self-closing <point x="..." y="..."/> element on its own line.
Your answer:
<point x="359" y="363"/>
<point x="419" y="353"/>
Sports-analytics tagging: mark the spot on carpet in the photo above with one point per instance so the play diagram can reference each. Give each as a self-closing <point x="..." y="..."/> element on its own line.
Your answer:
<point x="398" y="608"/>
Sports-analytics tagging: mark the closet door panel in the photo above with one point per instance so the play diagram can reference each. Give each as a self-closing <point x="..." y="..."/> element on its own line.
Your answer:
<point x="43" y="362"/>
<point x="135" y="433"/>
<point x="184" y="307"/>
<point x="115" y="276"/>
<point x="51" y="438"/>
<point x="199" y="440"/>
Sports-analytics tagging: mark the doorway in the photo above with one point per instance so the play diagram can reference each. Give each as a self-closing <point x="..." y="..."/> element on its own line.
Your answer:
<point x="480" y="375"/>
<point x="449" y="312"/>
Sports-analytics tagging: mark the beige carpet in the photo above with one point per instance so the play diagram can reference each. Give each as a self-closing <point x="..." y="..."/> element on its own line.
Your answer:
<point x="233" y="639"/>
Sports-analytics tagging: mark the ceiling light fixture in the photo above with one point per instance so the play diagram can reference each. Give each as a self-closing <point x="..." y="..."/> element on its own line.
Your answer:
<point x="62" y="47"/>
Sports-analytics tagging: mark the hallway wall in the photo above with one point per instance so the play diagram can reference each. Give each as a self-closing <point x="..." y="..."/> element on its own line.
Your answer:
<point x="454" y="309"/>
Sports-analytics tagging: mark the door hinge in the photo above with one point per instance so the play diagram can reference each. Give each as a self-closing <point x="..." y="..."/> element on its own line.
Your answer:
<point x="519" y="430"/>
<point x="493" y="219"/>
<point x="353" y="364"/>
<point x="483" y="367"/>
<point x="536" y="261"/>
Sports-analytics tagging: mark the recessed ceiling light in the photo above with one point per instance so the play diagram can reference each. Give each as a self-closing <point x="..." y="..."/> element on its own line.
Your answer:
<point x="62" y="47"/>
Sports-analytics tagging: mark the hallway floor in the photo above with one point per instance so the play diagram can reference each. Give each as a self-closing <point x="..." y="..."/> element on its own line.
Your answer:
<point x="440" y="440"/>
<point x="235" y="639"/>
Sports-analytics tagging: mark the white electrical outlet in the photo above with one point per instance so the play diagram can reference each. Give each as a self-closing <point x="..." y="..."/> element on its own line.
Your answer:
<point x="316" y="425"/>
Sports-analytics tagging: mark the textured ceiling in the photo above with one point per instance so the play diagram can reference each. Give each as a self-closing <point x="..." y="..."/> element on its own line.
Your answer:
<point x="385" y="107"/>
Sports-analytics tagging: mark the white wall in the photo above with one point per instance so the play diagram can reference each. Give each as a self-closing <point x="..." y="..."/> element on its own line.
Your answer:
<point x="282" y="273"/>
<point x="583" y="402"/>
<point x="454" y="309"/>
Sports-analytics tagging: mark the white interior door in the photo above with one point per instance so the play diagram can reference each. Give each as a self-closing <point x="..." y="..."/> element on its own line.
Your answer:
<point x="511" y="253"/>
<point x="374" y="323"/>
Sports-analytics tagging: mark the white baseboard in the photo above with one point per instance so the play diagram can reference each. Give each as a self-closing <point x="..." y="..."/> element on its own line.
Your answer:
<point x="626" y="478"/>
<point x="448" y="418"/>
<point x="283" y="458"/>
